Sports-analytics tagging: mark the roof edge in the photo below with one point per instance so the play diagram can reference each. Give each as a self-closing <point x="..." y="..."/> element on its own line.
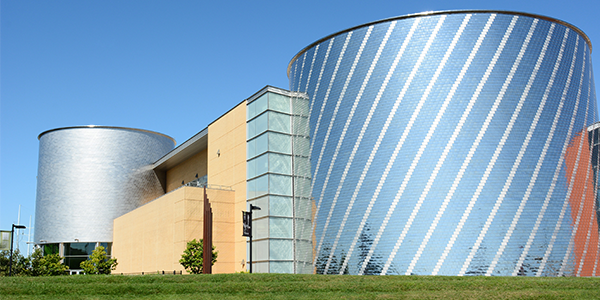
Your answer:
<point x="107" y="127"/>
<point x="433" y="13"/>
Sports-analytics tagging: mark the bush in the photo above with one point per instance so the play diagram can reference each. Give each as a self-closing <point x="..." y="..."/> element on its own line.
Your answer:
<point x="20" y="263"/>
<point x="193" y="257"/>
<point x="48" y="265"/>
<point x="98" y="263"/>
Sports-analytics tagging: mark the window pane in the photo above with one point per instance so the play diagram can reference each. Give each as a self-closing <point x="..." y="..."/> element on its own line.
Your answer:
<point x="280" y="206"/>
<point x="262" y="185"/>
<point x="260" y="228"/>
<point x="250" y="111"/>
<point x="279" y="143"/>
<point x="260" y="105"/>
<point x="280" y="227"/>
<point x="257" y="125"/>
<point x="261" y="250"/>
<point x="303" y="229"/>
<point x="301" y="166"/>
<point x="262" y="164"/>
<point x="250" y="129"/>
<point x="301" y="125"/>
<point x="302" y="187"/>
<point x="280" y="185"/>
<point x="79" y="248"/>
<point x="303" y="251"/>
<point x="303" y="208"/>
<point x="263" y="203"/>
<point x="301" y="106"/>
<point x="250" y="189"/>
<point x="281" y="267"/>
<point x="279" y="122"/>
<point x="301" y="146"/>
<point x="261" y="144"/>
<point x="279" y="102"/>
<point x="281" y="250"/>
<point x="250" y="169"/>
<point x="279" y="163"/>
<point x="74" y="262"/>
<point x="251" y="149"/>
<point x="261" y="267"/>
<point x="50" y="249"/>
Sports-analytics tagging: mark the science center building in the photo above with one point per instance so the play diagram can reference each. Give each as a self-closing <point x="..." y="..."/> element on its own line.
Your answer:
<point x="441" y="143"/>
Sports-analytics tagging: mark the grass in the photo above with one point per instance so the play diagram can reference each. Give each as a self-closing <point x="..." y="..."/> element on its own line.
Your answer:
<point x="279" y="286"/>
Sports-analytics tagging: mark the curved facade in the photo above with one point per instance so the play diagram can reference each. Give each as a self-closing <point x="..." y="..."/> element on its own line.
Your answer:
<point x="452" y="143"/>
<point x="88" y="176"/>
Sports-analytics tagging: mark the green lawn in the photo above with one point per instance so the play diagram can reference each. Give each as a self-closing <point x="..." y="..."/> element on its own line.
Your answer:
<point x="278" y="286"/>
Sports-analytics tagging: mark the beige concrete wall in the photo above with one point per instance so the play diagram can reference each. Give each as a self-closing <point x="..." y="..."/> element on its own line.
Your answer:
<point x="227" y="136"/>
<point x="187" y="170"/>
<point x="153" y="237"/>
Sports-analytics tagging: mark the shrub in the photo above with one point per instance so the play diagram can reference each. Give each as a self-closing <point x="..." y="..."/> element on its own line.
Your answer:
<point x="98" y="263"/>
<point x="193" y="257"/>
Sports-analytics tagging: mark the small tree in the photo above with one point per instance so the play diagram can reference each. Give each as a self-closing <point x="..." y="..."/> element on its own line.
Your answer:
<point x="192" y="258"/>
<point x="20" y="263"/>
<point x="98" y="263"/>
<point x="48" y="265"/>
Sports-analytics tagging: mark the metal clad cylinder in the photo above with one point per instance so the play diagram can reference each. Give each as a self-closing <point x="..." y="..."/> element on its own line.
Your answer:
<point x="88" y="176"/>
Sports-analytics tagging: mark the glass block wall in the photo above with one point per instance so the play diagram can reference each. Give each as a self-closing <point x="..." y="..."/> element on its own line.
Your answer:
<point x="278" y="181"/>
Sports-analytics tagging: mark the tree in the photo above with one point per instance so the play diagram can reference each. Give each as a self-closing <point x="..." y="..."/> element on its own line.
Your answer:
<point x="192" y="258"/>
<point x="20" y="263"/>
<point x="98" y="263"/>
<point x="46" y="265"/>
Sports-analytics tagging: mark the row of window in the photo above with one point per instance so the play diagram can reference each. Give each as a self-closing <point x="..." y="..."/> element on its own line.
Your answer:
<point x="75" y="253"/>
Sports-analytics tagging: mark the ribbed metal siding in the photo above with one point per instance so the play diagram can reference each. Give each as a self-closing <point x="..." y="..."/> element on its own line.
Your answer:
<point x="89" y="176"/>
<point x="449" y="144"/>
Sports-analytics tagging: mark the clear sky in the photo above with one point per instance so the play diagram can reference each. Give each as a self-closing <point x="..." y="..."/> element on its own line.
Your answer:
<point x="169" y="66"/>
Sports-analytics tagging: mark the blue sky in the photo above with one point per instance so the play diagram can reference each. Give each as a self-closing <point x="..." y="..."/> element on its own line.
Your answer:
<point x="169" y="66"/>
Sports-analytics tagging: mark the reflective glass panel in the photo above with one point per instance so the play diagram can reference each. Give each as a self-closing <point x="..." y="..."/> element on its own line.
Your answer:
<point x="79" y="248"/>
<point x="257" y="107"/>
<point x="280" y="185"/>
<point x="260" y="228"/>
<point x="279" y="163"/>
<point x="279" y="122"/>
<point x="261" y="144"/>
<point x="257" y="125"/>
<point x="263" y="203"/>
<point x="280" y="227"/>
<point x="279" y="143"/>
<point x="281" y="250"/>
<point x="50" y="249"/>
<point x="279" y="102"/>
<point x="281" y="267"/>
<point x="260" y="250"/>
<point x="280" y="206"/>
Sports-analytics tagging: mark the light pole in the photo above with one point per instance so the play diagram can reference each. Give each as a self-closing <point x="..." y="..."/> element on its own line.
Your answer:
<point x="12" y="235"/>
<point x="252" y="207"/>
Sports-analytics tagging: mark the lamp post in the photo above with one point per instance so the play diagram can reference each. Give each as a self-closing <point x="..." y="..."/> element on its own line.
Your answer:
<point x="12" y="234"/>
<point x="252" y="207"/>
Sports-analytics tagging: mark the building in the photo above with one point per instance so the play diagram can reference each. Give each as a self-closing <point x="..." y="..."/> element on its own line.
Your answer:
<point x="441" y="143"/>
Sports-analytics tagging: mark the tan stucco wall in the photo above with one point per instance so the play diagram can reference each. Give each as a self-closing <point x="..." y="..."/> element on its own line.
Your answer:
<point x="153" y="237"/>
<point x="187" y="170"/>
<point x="227" y="135"/>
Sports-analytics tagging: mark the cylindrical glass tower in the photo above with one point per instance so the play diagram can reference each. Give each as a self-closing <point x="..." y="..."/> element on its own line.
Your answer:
<point x="452" y="143"/>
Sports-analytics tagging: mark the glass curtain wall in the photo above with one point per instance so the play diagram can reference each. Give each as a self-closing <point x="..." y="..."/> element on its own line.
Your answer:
<point x="274" y="156"/>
